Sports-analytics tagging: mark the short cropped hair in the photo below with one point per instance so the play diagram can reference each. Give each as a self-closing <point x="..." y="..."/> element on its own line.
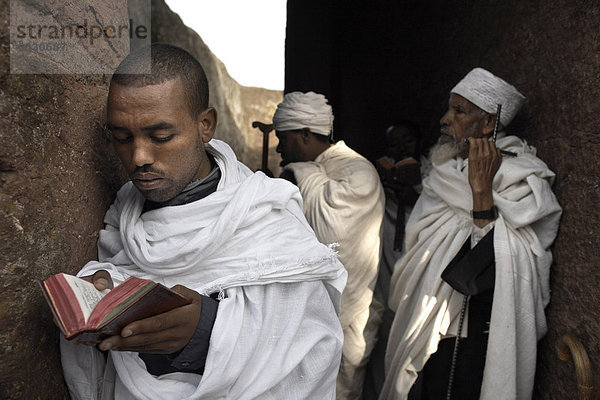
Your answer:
<point x="167" y="62"/>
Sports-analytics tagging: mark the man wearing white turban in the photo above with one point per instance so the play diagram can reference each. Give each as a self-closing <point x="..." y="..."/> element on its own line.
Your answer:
<point x="344" y="203"/>
<point x="263" y="319"/>
<point x="477" y="258"/>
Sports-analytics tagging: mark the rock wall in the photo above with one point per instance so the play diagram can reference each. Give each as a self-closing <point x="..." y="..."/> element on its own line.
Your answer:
<point x="394" y="60"/>
<point x="58" y="176"/>
<point x="56" y="180"/>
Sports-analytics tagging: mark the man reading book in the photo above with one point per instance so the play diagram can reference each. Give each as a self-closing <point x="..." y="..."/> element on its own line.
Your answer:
<point x="262" y="322"/>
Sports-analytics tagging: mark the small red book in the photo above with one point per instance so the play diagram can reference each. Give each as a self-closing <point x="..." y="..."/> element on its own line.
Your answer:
<point x="83" y="312"/>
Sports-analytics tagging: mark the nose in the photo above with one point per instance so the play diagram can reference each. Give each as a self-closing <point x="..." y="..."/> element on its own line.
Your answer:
<point x="445" y="120"/>
<point x="142" y="153"/>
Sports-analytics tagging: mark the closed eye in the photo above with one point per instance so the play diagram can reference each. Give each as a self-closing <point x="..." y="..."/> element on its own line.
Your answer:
<point x="120" y="136"/>
<point x="164" y="139"/>
<point x="118" y="133"/>
<point x="123" y="140"/>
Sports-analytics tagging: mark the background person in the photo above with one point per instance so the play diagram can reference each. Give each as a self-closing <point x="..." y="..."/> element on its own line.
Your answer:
<point x="400" y="173"/>
<point x="481" y="228"/>
<point x="343" y="202"/>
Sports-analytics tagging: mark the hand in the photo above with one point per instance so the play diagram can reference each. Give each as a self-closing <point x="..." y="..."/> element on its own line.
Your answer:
<point x="101" y="279"/>
<point x="484" y="160"/>
<point x="165" y="333"/>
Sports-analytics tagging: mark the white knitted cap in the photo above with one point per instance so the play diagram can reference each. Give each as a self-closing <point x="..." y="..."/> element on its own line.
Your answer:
<point x="304" y="110"/>
<point x="486" y="91"/>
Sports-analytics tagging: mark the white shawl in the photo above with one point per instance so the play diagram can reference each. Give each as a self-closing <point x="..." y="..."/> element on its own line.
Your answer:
<point x="344" y="203"/>
<point x="427" y="308"/>
<point x="244" y="241"/>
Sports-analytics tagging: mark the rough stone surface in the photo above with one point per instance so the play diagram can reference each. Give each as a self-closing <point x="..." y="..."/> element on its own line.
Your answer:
<point x="69" y="37"/>
<point x="237" y="105"/>
<point x="56" y="182"/>
<point x="58" y="176"/>
<point x="394" y="60"/>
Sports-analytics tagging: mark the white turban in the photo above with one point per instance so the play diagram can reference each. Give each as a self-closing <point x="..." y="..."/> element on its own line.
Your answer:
<point x="304" y="110"/>
<point x="486" y="91"/>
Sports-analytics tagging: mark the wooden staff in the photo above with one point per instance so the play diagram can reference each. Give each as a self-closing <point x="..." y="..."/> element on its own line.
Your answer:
<point x="265" y="129"/>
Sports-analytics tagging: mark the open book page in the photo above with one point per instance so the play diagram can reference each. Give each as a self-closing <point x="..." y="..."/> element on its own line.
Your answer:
<point x="121" y="297"/>
<point x="405" y="161"/>
<point x="86" y="293"/>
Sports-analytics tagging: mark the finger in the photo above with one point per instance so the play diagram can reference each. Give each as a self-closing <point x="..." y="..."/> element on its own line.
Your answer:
<point x="176" y="325"/>
<point x="491" y="146"/>
<point x="474" y="148"/>
<point x="164" y="343"/>
<point x="102" y="280"/>
<point x="109" y="343"/>
<point x="492" y="151"/>
<point x="153" y="324"/>
<point x="485" y="147"/>
<point x="496" y="150"/>
<point x="171" y="319"/>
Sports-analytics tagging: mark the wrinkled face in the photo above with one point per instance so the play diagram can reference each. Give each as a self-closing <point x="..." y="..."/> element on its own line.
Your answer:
<point x="290" y="147"/>
<point x="462" y="120"/>
<point x="159" y="143"/>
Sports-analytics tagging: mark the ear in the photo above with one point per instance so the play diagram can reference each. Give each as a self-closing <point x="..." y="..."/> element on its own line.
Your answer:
<point x="488" y="124"/>
<point x="207" y="123"/>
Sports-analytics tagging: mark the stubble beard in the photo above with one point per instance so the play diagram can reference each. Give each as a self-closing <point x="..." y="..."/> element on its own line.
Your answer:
<point x="175" y="186"/>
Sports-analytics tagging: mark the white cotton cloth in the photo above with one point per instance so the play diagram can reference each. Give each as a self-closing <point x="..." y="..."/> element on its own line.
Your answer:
<point x="427" y="309"/>
<point x="486" y="91"/>
<point x="304" y="110"/>
<point x="344" y="203"/>
<point x="276" y="334"/>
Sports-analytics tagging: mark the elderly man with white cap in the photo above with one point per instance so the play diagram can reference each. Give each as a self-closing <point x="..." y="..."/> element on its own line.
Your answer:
<point x="477" y="258"/>
<point x="344" y="204"/>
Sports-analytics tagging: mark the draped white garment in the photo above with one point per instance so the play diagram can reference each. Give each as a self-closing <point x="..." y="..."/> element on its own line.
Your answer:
<point x="344" y="203"/>
<point x="427" y="309"/>
<point x="276" y="334"/>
